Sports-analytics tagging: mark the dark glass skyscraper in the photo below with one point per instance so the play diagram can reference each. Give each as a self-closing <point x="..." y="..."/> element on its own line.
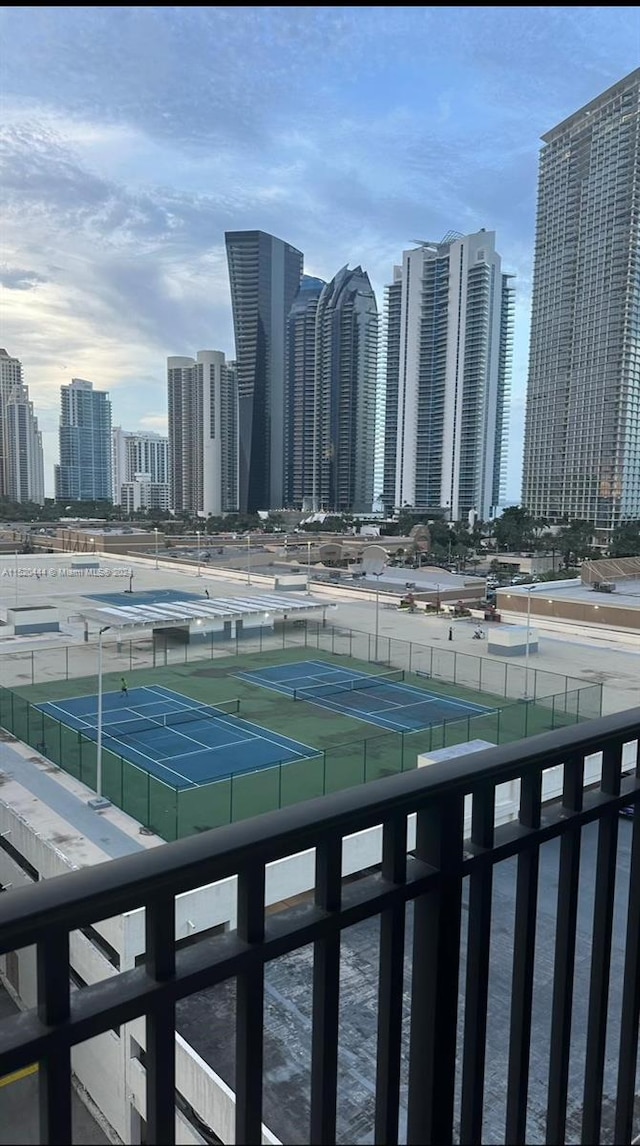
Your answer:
<point x="346" y="366"/>
<point x="264" y="276"/>
<point x="300" y="421"/>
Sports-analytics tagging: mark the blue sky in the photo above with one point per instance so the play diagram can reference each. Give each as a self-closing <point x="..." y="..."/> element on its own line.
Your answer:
<point x="132" y="138"/>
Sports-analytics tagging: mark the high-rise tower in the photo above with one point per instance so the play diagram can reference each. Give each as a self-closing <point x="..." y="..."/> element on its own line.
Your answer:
<point x="300" y="421"/>
<point x="264" y="275"/>
<point x="345" y="406"/>
<point x="582" y="436"/>
<point x="449" y="332"/>
<point x="84" y="472"/>
<point x="203" y="430"/>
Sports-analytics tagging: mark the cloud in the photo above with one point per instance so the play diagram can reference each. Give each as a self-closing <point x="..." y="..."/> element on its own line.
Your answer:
<point x="134" y="137"/>
<point x="14" y="278"/>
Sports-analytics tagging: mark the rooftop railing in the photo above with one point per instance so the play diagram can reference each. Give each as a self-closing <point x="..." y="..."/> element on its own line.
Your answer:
<point x="426" y="866"/>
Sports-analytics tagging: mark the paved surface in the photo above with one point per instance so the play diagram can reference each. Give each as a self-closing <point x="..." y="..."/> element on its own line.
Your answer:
<point x="19" y="1116"/>
<point x="86" y="822"/>
<point x="207" y="1020"/>
<point x="591" y="654"/>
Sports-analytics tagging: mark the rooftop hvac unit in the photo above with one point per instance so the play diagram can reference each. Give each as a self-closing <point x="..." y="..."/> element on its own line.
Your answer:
<point x="605" y="586"/>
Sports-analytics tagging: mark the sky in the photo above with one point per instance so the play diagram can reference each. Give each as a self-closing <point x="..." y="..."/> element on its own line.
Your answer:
<point x="133" y="137"/>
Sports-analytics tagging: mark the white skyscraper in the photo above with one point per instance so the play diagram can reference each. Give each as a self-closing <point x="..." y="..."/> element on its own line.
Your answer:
<point x="10" y="377"/>
<point x="450" y="330"/>
<point x="21" y="460"/>
<point x="25" y="467"/>
<point x="203" y="434"/>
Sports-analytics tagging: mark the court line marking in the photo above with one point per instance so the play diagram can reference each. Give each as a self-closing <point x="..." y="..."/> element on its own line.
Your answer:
<point x="133" y="748"/>
<point x="412" y="689"/>
<point x="284" y="689"/>
<point x="249" y="735"/>
<point x="52" y="704"/>
<point x="124" y="743"/>
<point x="260" y="735"/>
<point x="18" y="1074"/>
<point x="283" y="743"/>
<point x="326" y="703"/>
<point x="204" y="748"/>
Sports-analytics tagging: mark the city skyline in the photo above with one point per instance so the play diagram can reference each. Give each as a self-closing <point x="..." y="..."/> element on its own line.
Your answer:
<point x="116" y="201"/>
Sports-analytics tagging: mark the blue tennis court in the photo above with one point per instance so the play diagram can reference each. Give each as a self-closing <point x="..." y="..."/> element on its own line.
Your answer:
<point x="380" y="698"/>
<point x="182" y="743"/>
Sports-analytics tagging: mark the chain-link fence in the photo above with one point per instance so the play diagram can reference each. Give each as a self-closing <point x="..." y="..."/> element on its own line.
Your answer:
<point x="465" y="670"/>
<point x="173" y="813"/>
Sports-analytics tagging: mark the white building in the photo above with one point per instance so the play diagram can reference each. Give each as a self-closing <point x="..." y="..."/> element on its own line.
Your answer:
<point x="25" y="464"/>
<point x="450" y="330"/>
<point x="140" y="457"/>
<point x="21" y="459"/>
<point x="203" y="434"/>
<point x="142" y="493"/>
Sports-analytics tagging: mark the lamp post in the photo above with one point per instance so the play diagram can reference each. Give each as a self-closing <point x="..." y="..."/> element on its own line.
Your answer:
<point x="248" y="558"/>
<point x="155" y="530"/>
<point x="198" y="536"/>
<point x="377" y="577"/>
<point x="308" y="566"/>
<point x="530" y="589"/>
<point x="16" y="576"/>
<point x="99" y="727"/>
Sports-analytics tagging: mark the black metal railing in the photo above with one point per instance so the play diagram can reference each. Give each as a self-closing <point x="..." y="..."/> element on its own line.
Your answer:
<point x="448" y="965"/>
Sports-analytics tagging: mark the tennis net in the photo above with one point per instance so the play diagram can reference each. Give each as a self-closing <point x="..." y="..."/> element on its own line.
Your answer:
<point x="354" y="684"/>
<point x="124" y="728"/>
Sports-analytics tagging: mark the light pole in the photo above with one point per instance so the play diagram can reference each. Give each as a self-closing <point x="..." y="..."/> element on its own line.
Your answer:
<point x="530" y="589"/>
<point x="308" y="566"/>
<point x="248" y="558"/>
<point x="16" y="576"/>
<point x="155" y="530"/>
<point x="99" y="728"/>
<point x="377" y="577"/>
<point x="198" y="536"/>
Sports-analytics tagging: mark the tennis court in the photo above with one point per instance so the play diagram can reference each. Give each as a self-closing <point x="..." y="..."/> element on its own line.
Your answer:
<point x="174" y="738"/>
<point x="380" y="698"/>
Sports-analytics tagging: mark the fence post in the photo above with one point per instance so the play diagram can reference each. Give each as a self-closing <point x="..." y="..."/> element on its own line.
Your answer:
<point x="481" y="659"/>
<point x="455" y="667"/>
<point x="333" y="639"/>
<point x="66" y="651"/>
<point x="350" y="641"/>
<point x="504" y="691"/>
<point x="33" y="668"/>
<point x="431" y="672"/>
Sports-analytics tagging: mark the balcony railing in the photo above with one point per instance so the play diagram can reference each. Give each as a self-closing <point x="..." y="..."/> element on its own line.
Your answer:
<point x="426" y="864"/>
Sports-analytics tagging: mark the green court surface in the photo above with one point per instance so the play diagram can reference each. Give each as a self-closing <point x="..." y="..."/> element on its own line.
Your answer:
<point x="349" y="751"/>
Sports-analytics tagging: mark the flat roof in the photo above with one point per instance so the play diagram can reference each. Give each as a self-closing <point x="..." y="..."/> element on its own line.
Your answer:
<point x="626" y="595"/>
<point x="203" y="609"/>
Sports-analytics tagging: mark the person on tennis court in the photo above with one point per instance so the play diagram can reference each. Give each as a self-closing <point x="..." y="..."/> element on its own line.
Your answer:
<point x="123" y="687"/>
